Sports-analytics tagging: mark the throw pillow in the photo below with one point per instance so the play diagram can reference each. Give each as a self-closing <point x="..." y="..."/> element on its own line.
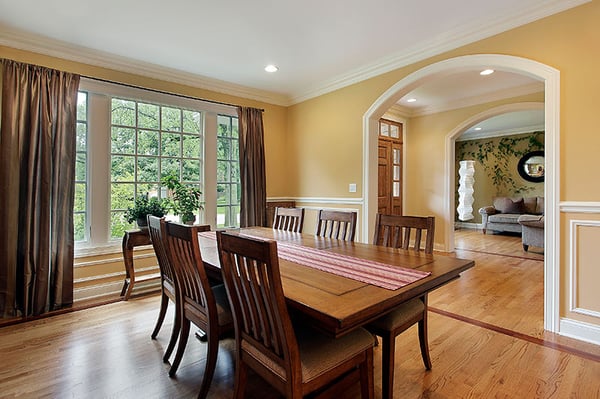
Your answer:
<point x="508" y="205"/>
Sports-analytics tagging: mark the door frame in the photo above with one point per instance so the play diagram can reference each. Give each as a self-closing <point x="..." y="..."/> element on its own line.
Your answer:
<point x="551" y="78"/>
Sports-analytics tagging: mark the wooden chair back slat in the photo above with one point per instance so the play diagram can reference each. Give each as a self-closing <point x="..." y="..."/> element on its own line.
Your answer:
<point x="251" y="272"/>
<point x="187" y="263"/>
<point x="156" y="230"/>
<point x="340" y="225"/>
<point x="397" y="231"/>
<point x="289" y="219"/>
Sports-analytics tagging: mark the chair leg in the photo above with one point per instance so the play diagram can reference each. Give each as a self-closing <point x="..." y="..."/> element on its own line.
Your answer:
<point x="366" y="377"/>
<point x="174" y="335"/>
<point x="424" y="342"/>
<point x="211" y="362"/>
<point x="241" y="374"/>
<point x="525" y="247"/>
<point x="164" y="303"/>
<point x="388" y="354"/>
<point x="183" y="338"/>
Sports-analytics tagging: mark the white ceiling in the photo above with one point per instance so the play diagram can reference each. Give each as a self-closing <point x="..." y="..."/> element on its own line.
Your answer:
<point x="319" y="46"/>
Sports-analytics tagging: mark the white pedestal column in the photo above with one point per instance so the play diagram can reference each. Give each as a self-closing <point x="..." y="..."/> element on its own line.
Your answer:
<point x="465" y="190"/>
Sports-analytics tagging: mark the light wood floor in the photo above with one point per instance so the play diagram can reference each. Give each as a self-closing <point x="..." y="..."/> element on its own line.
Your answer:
<point x="485" y="333"/>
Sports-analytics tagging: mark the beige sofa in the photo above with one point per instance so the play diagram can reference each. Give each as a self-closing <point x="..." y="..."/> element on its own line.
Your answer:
<point x="504" y="214"/>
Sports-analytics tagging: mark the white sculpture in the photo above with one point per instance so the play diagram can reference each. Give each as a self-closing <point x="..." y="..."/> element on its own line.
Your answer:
<point x="465" y="190"/>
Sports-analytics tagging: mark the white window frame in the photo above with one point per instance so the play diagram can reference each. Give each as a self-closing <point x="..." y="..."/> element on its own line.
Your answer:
<point x="98" y="166"/>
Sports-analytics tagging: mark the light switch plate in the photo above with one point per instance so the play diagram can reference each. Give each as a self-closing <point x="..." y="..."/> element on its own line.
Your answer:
<point x="352" y="187"/>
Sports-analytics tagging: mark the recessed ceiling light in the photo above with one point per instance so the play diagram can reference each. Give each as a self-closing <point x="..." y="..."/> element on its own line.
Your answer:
<point x="271" y="68"/>
<point x="486" y="72"/>
<point x="411" y="100"/>
<point x="477" y="128"/>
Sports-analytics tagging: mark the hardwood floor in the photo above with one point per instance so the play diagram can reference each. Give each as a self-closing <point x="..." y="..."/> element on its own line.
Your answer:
<point x="485" y="333"/>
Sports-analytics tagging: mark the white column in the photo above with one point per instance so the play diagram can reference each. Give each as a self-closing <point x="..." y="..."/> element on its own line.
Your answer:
<point x="465" y="190"/>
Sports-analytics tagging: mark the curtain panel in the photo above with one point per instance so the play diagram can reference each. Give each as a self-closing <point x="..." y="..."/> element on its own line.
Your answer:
<point x="253" y="183"/>
<point x="37" y="174"/>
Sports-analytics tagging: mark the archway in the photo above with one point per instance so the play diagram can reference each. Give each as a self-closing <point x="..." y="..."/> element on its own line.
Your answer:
<point x="536" y="70"/>
<point x="457" y="132"/>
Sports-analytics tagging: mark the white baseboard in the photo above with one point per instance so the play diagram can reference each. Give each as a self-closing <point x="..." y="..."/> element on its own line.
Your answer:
<point x="465" y="225"/>
<point x="97" y="291"/>
<point x="579" y="330"/>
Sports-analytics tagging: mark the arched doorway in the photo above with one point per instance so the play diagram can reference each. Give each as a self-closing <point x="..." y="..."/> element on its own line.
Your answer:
<point x="536" y="70"/>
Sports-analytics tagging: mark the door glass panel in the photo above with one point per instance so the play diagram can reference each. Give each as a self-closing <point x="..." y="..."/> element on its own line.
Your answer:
<point x="384" y="129"/>
<point x="394" y="131"/>
<point x="396" y="189"/>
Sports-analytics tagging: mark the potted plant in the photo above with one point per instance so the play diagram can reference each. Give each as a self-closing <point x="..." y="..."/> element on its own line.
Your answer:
<point x="184" y="199"/>
<point x="144" y="205"/>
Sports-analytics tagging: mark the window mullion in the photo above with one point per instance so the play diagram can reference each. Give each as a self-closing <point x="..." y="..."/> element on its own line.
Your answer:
<point x="210" y="169"/>
<point x="99" y="168"/>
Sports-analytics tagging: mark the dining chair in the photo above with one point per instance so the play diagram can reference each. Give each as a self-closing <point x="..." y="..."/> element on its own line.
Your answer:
<point x="336" y="224"/>
<point x="205" y="306"/>
<point x="396" y="231"/>
<point x="295" y="359"/>
<point x="168" y="283"/>
<point x="289" y="219"/>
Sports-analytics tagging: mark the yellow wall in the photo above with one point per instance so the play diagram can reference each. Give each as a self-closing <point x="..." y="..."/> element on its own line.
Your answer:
<point x="315" y="148"/>
<point x="567" y="41"/>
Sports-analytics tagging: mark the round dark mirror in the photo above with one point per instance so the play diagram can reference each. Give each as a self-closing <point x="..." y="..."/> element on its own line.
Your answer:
<point x="531" y="166"/>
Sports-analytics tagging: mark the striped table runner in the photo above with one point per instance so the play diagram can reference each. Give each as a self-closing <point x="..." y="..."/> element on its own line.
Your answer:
<point x="367" y="271"/>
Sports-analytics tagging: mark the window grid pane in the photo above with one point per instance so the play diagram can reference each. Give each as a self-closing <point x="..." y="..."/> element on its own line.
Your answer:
<point x="228" y="187"/>
<point x="147" y="144"/>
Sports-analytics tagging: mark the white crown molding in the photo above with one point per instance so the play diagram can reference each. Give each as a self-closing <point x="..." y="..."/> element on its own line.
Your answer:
<point x="453" y="39"/>
<point x="461" y="36"/>
<point x="55" y="48"/>
<point x="536" y="87"/>
<point x="500" y="133"/>
<point x="397" y="111"/>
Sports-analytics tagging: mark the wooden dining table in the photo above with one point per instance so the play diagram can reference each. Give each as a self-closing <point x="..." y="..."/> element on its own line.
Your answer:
<point x="336" y="304"/>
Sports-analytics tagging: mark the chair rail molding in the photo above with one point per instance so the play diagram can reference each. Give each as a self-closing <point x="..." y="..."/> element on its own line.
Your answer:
<point x="580" y="207"/>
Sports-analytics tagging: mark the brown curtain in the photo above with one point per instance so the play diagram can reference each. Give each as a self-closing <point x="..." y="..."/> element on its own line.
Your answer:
<point x="37" y="172"/>
<point x="252" y="168"/>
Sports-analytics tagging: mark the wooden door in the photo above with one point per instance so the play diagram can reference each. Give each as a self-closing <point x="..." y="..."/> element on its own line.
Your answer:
<point x="389" y="168"/>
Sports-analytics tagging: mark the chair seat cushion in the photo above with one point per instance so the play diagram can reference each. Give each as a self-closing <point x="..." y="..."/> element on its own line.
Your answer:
<point x="399" y="316"/>
<point x="318" y="353"/>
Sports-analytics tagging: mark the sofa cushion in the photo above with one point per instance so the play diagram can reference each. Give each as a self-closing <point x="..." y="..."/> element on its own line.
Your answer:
<point x="504" y="218"/>
<point x="509" y="205"/>
<point x="530" y="205"/>
<point x="532" y="221"/>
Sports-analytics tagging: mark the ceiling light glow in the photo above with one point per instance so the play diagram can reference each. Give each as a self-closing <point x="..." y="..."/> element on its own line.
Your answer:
<point x="411" y="100"/>
<point x="477" y="128"/>
<point x="271" y="68"/>
<point x="486" y="72"/>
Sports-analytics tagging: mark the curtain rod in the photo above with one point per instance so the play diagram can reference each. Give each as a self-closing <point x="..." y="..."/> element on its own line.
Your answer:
<point x="164" y="92"/>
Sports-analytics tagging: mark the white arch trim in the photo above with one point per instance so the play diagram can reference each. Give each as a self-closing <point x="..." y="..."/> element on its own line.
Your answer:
<point x="533" y="69"/>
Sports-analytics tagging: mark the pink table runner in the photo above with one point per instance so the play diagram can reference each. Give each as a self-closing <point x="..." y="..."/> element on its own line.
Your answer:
<point x="367" y="271"/>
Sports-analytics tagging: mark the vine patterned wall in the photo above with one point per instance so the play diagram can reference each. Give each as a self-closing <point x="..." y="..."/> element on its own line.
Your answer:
<point x="496" y="173"/>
